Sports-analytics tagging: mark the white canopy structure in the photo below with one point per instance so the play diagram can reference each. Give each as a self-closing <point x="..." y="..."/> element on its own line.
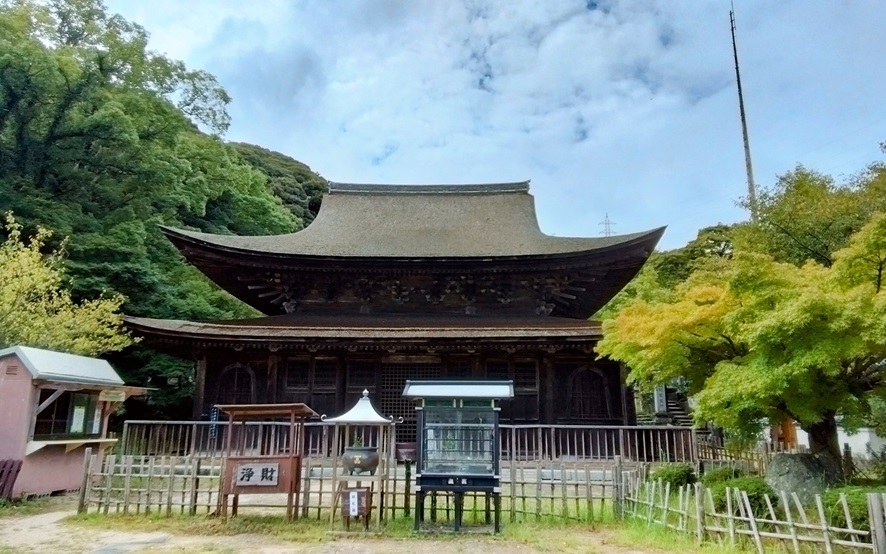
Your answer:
<point x="363" y="413"/>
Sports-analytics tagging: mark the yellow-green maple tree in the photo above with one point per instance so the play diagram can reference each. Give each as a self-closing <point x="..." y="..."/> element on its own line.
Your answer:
<point x="756" y="339"/>
<point x="36" y="308"/>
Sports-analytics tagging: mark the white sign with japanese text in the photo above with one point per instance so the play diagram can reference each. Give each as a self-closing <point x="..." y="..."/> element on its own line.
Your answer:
<point x="78" y="419"/>
<point x="251" y="474"/>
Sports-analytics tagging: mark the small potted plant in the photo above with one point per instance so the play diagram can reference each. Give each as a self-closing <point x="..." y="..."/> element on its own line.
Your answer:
<point x="358" y="458"/>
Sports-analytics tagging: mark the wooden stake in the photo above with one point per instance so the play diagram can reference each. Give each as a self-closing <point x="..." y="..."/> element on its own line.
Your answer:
<point x="824" y="525"/>
<point x="791" y="527"/>
<point x="699" y="513"/>
<point x="752" y="520"/>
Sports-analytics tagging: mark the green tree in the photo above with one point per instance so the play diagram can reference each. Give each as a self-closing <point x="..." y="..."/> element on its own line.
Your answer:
<point x="665" y="270"/>
<point x="756" y="339"/>
<point x="293" y="182"/>
<point x="808" y="216"/>
<point x="36" y="308"/>
<point x="102" y="141"/>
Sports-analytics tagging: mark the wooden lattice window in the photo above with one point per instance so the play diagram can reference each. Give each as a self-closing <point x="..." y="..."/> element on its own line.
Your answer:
<point x="324" y="385"/>
<point x="459" y="368"/>
<point x="588" y="391"/>
<point x="361" y="376"/>
<point x="236" y="385"/>
<point x="325" y="374"/>
<point x="524" y="374"/>
<point x="298" y="375"/>
<point x="498" y="369"/>
<point x="391" y="401"/>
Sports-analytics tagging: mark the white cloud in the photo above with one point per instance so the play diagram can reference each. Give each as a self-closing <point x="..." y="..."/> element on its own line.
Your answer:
<point x="627" y="109"/>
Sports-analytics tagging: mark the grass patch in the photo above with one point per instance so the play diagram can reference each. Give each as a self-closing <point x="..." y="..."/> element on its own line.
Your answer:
<point x="18" y="508"/>
<point x="638" y="534"/>
<point x="299" y="530"/>
<point x="546" y="535"/>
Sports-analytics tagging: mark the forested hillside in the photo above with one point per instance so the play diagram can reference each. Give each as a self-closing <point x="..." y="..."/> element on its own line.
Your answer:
<point x="102" y="140"/>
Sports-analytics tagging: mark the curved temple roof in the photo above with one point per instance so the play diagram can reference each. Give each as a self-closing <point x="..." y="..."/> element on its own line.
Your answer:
<point x="416" y="221"/>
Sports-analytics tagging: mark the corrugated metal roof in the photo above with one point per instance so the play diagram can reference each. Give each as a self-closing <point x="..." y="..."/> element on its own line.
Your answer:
<point x="458" y="389"/>
<point x="61" y="367"/>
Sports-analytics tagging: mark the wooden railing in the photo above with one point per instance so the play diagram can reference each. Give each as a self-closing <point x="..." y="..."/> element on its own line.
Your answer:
<point x="580" y="442"/>
<point x="519" y="443"/>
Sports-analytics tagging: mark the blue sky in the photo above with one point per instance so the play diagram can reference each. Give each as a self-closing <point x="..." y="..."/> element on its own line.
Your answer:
<point x="625" y="108"/>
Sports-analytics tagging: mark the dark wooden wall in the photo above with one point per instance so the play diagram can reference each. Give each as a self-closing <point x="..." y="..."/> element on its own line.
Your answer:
<point x="562" y="387"/>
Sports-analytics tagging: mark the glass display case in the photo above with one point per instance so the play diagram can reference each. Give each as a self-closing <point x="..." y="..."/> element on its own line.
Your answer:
<point x="459" y="438"/>
<point x="458" y="441"/>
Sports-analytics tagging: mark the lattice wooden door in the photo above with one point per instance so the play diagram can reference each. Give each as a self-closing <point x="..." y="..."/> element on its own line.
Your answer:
<point x="393" y="378"/>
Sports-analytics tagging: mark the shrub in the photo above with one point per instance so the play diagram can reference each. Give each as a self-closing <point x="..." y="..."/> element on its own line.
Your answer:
<point x="756" y="489"/>
<point x="724" y="473"/>
<point x="877" y="465"/>
<point x="856" y="500"/>
<point x="678" y="475"/>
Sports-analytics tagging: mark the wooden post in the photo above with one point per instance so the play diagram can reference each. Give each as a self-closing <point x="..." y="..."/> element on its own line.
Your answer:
<point x="878" y="529"/>
<point x="109" y="467"/>
<point x="83" y="497"/>
<point x="753" y="522"/>
<point x="199" y="385"/>
<point x="538" y="490"/>
<point x="512" y="458"/>
<point x="824" y="525"/>
<point x="730" y="516"/>
<point x="127" y="483"/>
<point x="563" y="493"/>
<point x="666" y="504"/>
<point x="617" y="488"/>
<point x="699" y="513"/>
<point x="306" y="486"/>
<point x="791" y="527"/>
<point x="170" y="487"/>
<point x="650" y="512"/>
<point x="407" y="486"/>
<point x="195" y="485"/>
<point x="125" y="440"/>
<point x="852" y="536"/>
<point x="272" y="382"/>
<point x="848" y="464"/>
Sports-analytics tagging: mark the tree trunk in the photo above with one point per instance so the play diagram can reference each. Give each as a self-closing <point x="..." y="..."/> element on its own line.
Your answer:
<point x="823" y="439"/>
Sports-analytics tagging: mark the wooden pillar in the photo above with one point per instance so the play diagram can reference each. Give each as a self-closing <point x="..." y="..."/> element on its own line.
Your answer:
<point x="623" y="392"/>
<point x="199" y="385"/>
<point x="549" y="389"/>
<point x="273" y="384"/>
<point x="341" y="383"/>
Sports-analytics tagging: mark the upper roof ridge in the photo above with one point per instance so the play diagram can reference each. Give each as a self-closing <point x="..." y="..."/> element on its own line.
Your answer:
<point x="477" y="188"/>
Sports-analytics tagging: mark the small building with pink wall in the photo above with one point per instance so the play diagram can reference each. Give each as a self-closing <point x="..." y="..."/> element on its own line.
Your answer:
<point x="52" y="406"/>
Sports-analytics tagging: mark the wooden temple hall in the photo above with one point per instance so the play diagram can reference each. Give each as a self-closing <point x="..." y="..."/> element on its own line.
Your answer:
<point x="391" y="283"/>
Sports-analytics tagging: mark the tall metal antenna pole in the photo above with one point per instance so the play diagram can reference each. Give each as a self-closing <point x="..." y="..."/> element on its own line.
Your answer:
<point x="752" y="189"/>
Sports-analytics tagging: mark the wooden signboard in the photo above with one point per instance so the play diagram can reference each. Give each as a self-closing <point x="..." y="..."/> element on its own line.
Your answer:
<point x="356" y="503"/>
<point x="245" y="475"/>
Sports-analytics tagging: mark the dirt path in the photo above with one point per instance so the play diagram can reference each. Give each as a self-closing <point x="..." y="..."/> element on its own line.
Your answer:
<point x="47" y="533"/>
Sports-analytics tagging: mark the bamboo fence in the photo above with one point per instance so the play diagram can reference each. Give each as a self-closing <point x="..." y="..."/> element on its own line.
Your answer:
<point x="787" y="523"/>
<point x="189" y="485"/>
